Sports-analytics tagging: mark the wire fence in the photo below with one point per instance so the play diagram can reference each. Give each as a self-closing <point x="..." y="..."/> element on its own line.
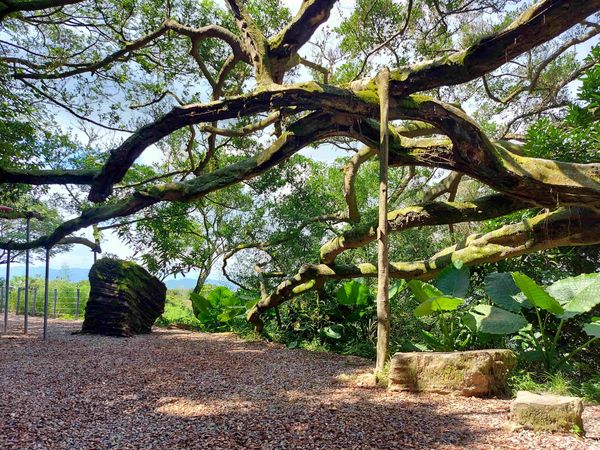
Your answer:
<point x="62" y="303"/>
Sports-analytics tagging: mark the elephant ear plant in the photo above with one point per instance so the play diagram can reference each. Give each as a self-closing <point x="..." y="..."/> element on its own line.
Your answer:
<point x="461" y="324"/>
<point x="220" y="308"/>
<point x="562" y="301"/>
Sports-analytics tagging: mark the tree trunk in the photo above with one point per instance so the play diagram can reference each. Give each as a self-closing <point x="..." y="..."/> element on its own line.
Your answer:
<point x="383" y="282"/>
<point x="202" y="276"/>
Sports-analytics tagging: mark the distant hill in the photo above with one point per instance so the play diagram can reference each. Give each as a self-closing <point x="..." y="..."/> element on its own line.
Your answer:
<point x="78" y="274"/>
<point x="189" y="283"/>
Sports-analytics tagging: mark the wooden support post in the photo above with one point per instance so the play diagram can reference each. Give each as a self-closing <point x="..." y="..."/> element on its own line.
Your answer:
<point x="383" y="281"/>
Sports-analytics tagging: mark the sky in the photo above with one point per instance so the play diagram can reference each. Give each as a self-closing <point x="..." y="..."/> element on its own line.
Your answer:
<point x="81" y="257"/>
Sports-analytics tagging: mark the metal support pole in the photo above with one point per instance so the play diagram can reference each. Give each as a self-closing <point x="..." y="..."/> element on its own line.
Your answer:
<point x="95" y="256"/>
<point x="54" y="308"/>
<point x="26" y="277"/>
<point x="7" y="290"/>
<point x="47" y="275"/>
<point x="77" y="305"/>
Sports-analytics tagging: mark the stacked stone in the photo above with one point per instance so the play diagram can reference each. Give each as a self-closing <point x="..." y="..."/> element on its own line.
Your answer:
<point x="124" y="299"/>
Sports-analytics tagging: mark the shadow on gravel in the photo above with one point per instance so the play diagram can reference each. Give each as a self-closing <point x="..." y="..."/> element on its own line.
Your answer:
<point x="175" y="389"/>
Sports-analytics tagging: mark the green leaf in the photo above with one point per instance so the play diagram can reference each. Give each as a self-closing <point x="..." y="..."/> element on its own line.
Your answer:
<point x="221" y="296"/>
<point x="566" y="289"/>
<point x="431" y="341"/>
<point x="536" y="294"/>
<point x="432" y="305"/>
<point x="396" y="288"/>
<point x="502" y="290"/>
<point x="331" y="333"/>
<point x="424" y="291"/>
<point x="353" y="293"/>
<point x="581" y="294"/>
<point x="200" y="305"/>
<point x="454" y="281"/>
<point x="493" y="320"/>
<point x="592" y="329"/>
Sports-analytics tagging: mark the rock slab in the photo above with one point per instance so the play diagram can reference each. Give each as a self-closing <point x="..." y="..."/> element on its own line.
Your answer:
<point x="476" y="373"/>
<point x="124" y="299"/>
<point x="547" y="412"/>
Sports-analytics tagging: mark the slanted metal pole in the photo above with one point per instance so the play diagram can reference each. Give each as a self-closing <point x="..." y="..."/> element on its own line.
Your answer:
<point x="26" y="277"/>
<point x="47" y="275"/>
<point x="7" y="290"/>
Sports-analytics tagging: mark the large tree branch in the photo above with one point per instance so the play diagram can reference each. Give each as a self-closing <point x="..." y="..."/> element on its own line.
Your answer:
<point x="209" y="31"/>
<point x="303" y="132"/>
<point x="539" y="23"/>
<point x="563" y="227"/>
<point x="288" y="41"/>
<point x="426" y="214"/>
<point x="253" y="40"/>
<point x="9" y="6"/>
<point x="51" y="176"/>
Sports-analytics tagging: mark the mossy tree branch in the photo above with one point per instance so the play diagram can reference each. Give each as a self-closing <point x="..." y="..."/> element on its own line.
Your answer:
<point x="562" y="227"/>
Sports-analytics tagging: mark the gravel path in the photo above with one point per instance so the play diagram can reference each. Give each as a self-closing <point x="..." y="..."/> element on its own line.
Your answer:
<point x="176" y="389"/>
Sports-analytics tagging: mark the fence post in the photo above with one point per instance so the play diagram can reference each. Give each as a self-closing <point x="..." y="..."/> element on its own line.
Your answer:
<point x="7" y="296"/>
<point x="77" y="305"/>
<point x="46" y="276"/>
<point x="54" y="308"/>
<point x="26" y="313"/>
<point x="34" y="301"/>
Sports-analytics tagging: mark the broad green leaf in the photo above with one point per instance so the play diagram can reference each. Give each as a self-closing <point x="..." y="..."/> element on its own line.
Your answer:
<point x="566" y="289"/>
<point x="454" y="282"/>
<point x="424" y="291"/>
<point x="396" y="288"/>
<point x="592" y="329"/>
<point x="502" y="290"/>
<point x="200" y="304"/>
<point x="353" y="293"/>
<point x="438" y="304"/>
<point x="221" y="296"/>
<point x="226" y="316"/>
<point x="536" y="294"/>
<point x="493" y="320"/>
<point x="585" y="295"/>
<point x="330" y="333"/>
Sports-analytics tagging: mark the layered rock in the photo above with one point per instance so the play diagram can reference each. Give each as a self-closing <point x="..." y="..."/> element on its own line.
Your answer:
<point x="471" y="373"/>
<point x="124" y="299"/>
<point x="546" y="412"/>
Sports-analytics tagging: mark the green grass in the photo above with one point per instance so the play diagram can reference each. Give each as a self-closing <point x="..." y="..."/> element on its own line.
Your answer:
<point x="178" y="312"/>
<point x="558" y="383"/>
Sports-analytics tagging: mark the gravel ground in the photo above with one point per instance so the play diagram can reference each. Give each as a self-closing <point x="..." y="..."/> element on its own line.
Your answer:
<point x="176" y="389"/>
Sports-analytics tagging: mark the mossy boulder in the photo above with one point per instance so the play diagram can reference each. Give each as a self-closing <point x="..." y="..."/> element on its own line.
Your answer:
<point x="472" y="373"/>
<point x="547" y="412"/>
<point x="124" y="299"/>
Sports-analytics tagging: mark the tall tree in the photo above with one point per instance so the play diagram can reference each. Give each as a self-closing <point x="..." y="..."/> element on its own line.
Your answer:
<point x="238" y="92"/>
